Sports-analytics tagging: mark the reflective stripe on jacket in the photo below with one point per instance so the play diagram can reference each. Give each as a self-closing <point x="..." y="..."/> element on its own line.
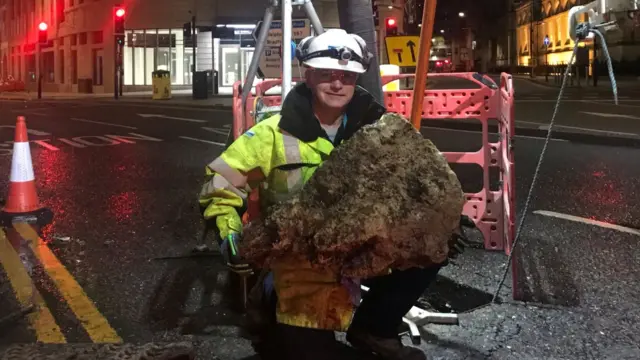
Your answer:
<point x="278" y="156"/>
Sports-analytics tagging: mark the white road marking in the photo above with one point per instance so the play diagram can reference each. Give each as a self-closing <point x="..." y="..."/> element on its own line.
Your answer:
<point x="611" y="115"/>
<point x="528" y="122"/>
<point x="602" y="224"/>
<point x="157" y="106"/>
<point x="202" y="140"/>
<point x="171" y="117"/>
<point x="546" y="127"/>
<point x="217" y="131"/>
<point x="573" y="100"/>
<point x="104" y="123"/>
<point x="478" y="132"/>
<point x="46" y="145"/>
<point x="29" y="131"/>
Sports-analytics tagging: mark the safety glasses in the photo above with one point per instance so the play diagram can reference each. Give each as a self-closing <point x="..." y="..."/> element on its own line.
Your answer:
<point x="328" y="75"/>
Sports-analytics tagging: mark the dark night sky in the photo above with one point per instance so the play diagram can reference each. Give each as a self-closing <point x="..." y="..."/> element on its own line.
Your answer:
<point x="479" y="14"/>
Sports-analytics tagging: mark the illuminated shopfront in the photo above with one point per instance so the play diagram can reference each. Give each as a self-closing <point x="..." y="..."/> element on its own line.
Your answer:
<point x="229" y="52"/>
<point x="157" y="49"/>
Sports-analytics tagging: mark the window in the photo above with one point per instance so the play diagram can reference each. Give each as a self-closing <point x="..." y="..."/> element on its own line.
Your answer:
<point x="127" y="58"/>
<point x="48" y="67"/>
<point x="31" y="67"/>
<point x="96" y="37"/>
<point x="148" y="50"/>
<point x="61" y="66"/>
<point x="60" y="7"/>
<point x="74" y="66"/>
<point x="138" y="57"/>
<point x="97" y="56"/>
<point x="151" y="42"/>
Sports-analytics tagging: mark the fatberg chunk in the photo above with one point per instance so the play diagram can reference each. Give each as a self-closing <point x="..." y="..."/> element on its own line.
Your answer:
<point x="385" y="199"/>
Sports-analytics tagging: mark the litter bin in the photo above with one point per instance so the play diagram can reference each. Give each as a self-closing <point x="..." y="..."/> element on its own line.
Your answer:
<point x="216" y="82"/>
<point x="161" y="81"/>
<point x="200" y="85"/>
<point x="212" y="82"/>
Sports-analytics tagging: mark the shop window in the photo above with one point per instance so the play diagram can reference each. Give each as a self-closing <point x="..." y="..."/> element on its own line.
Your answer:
<point x="127" y="59"/>
<point x="48" y="67"/>
<point x="151" y="42"/>
<point x="31" y="67"/>
<point x="150" y="50"/>
<point x="164" y="54"/>
<point x="137" y="42"/>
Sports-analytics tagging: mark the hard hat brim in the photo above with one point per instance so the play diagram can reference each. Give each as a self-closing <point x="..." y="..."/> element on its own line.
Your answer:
<point x="334" y="64"/>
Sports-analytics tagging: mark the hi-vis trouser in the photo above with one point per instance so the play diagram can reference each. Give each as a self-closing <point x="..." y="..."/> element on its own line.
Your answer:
<point x="278" y="165"/>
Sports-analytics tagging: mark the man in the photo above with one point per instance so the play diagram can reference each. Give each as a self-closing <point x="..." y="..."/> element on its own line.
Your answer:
<point x="277" y="156"/>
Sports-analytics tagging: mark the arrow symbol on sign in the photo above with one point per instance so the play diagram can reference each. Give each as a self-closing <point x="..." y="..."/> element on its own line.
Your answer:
<point x="411" y="46"/>
<point x="399" y="52"/>
<point x="171" y="117"/>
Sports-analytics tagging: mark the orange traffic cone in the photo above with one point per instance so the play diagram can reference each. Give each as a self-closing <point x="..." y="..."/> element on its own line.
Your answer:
<point x="23" y="197"/>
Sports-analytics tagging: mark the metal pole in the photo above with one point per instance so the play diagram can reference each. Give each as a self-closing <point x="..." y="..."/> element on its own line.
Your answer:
<point x="39" y="71"/>
<point x="120" y="70"/>
<point x="193" y="48"/>
<point x="286" y="47"/>
<point x="115" y="68"/>
<point x="259" y="50"/>
<point x="420" y="83"/>
<point x="313" y="17"/>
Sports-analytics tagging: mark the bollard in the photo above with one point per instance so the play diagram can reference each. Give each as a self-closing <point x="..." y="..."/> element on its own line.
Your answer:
<point x="571" y="73"/>
<point x="546" y="73"/>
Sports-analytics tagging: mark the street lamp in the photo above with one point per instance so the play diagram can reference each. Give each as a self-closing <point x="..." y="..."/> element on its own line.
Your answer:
<point x="442" y="31"/>
<point x="461" y="14"/>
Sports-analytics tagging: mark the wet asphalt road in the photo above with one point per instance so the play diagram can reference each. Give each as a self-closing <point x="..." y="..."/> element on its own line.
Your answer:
<point x="123" y="189"/>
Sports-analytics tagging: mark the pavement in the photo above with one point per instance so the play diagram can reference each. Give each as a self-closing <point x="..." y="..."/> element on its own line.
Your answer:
<point x="604" y="82"/>
<point x="122" y="180"/>
<point x="179" y="97"/>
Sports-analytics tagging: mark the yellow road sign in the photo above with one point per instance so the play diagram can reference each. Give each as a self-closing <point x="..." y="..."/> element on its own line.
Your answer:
<point x="403" y="50"/>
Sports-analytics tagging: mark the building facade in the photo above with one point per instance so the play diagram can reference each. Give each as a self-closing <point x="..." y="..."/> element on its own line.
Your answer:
<point x="80" y="53"/>
<point x="543" y="38"/>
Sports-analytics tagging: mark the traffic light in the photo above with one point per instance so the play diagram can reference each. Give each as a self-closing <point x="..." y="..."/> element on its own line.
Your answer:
<point x="118" y="24"/>
<point x="42" y="32"/>
<point x="376" y="14"/>
<point x="392" y="26"/>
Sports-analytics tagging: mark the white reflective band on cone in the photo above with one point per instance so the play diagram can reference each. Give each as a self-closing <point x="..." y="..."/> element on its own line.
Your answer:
<point x="21" y="167"/>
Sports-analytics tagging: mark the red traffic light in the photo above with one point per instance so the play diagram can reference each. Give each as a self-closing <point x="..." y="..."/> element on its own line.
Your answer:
<point x="391" y="22"/>
<point x="43" y="26"/>
<point x="120" y="12"/>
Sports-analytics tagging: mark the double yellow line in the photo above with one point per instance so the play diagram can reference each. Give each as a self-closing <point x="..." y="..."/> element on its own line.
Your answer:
<point x="41" y="320"/>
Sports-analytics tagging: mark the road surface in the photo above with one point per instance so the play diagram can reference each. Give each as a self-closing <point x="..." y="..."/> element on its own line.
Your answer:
<point x="122" y="180"/>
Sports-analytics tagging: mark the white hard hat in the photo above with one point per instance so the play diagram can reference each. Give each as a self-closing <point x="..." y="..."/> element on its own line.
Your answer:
<point x="335" y="49"/>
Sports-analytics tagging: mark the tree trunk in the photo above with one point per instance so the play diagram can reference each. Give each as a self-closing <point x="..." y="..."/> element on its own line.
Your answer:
<point x="356" y="17"/>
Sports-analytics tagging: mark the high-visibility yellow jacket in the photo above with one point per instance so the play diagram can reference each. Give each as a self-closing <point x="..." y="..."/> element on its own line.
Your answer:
<point x="278" y="156"/>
